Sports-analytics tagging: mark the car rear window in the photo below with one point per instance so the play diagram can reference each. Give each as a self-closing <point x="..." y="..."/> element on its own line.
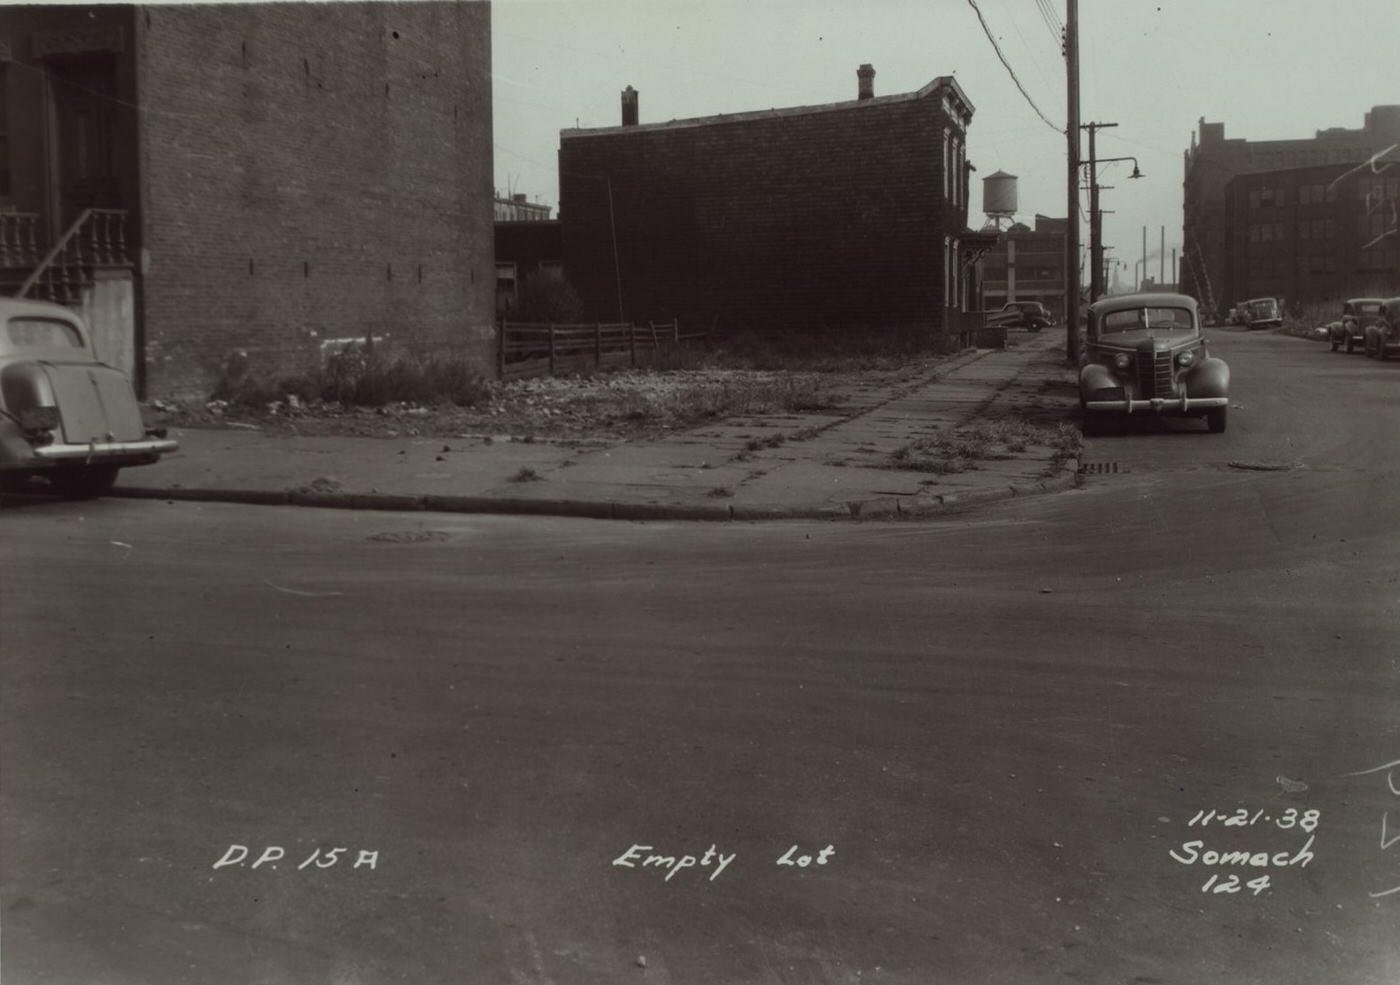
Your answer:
<point x="1368" y="309"/>
<point x="42" y="333"/>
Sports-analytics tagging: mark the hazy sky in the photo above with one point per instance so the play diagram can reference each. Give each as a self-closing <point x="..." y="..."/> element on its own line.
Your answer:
<point x="1281" y="69"/>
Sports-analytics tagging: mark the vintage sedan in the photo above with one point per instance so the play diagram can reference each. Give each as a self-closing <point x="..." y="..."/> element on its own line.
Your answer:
<point x="1262" y="313"/>
<point x="64" y="415"/>
<point x="1030" y="315"/>
<point x="1383" y="334"/>
<point x="1144" y="354"/>
<point x="1357" y="314"/>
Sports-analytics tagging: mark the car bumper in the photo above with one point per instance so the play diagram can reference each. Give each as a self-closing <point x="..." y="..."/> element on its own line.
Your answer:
<point x="106" y="452"/>
<point x="1157" y="405"/>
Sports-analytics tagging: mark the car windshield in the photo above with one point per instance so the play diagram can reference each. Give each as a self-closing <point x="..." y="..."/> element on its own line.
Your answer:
<point x="1139" y="319"/>
<point x="43" y="333"/>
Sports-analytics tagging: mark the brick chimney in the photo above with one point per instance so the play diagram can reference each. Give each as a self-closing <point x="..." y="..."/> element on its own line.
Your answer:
<point x="629" y="107"/>
<point x="866" y="75"/>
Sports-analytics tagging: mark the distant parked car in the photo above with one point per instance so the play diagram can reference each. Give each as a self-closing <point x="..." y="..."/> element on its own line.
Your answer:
<point x="1357" y="313"/>
<point x="1030" y="315"/>
<point x="64" y="415"/>
<point x="1383" y="334"/>
<point x="1144" y="354"/>
<point x="1262" y="313"/>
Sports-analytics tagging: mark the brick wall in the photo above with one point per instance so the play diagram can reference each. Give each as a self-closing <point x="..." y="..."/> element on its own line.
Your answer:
<point x="799" y="220"/>
<point x="310" y="172"/>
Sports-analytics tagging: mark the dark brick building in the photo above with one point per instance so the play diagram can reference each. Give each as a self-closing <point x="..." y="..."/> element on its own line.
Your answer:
<point x="282" y="174"/>
<point x="1028" y="265"/>
<point x="1319" y="234"/>
<point x="847" y="216"/>
<point x="1212" y="161"/>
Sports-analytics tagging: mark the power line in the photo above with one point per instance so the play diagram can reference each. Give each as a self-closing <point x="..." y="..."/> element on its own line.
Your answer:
<point x="997" y="48"/>
<point x="1052" y="20"/>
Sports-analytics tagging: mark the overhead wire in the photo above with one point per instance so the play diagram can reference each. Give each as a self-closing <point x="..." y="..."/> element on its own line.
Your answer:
<point x="1012" y="72"/>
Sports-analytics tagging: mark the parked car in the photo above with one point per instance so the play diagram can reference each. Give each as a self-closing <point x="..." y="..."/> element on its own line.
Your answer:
<point x="1030" y="315"/>
<point x="1383" y="334"/>
<point x="64" y="415"/>
<point x="1144" y="354"/>
<point x="1357" y="313"/>
<point x="1263" y="313"/>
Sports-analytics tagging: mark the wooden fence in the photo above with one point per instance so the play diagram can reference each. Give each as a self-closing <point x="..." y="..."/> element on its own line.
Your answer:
<point x="534" y="349"/>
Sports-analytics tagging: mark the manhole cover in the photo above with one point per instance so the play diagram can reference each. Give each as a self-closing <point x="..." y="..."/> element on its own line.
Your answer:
<point x="1101" y="468"/>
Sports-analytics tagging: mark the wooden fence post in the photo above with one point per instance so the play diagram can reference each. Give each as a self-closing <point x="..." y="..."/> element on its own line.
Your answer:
<point x="676" y="331"/>
<point x="551" y="348"/>
<point x="501" y="350"/>
<point x="632" y="343"/>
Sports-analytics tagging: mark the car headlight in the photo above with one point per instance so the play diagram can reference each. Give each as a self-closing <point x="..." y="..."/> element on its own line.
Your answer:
<point x="1122" y="360"/>
<point x="1185" y="359"/>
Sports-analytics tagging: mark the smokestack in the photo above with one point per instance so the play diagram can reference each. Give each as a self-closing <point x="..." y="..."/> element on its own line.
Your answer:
<point x="866" y="76"/>
<point x="629" y="107"/>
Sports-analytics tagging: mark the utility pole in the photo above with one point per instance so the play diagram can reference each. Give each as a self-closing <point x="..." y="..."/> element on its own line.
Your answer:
<point x="1072" y="198"/>
<point x="1096" y="288"/>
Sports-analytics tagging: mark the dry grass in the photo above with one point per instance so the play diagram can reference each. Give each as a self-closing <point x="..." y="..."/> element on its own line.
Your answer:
<point x="959" y="450"/>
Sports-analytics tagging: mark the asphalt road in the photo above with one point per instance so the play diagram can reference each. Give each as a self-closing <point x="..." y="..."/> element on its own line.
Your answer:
<point x="994" y="738"/>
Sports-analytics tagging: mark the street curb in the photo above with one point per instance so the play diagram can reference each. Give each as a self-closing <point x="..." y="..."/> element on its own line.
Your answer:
<point x="884" y="507"/>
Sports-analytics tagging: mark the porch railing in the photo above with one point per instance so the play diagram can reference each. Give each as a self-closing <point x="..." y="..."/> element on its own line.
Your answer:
<point x="19" y="240"/>
<point x="97" y="238"/>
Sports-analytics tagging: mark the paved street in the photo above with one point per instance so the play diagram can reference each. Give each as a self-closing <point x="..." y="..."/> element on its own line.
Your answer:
<point x="1001" y="746"/>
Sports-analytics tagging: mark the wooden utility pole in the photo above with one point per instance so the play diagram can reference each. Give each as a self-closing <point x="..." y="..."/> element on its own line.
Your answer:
<point x="1072" y="184"/>
<point x="1096" y="275"/>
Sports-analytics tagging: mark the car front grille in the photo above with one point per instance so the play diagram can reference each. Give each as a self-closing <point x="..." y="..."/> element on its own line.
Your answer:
<point x="1154" y="374"/>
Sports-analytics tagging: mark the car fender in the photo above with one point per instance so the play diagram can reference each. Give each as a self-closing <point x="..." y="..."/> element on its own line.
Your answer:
<point x="1209" y="378"/>
<point x="24" y="386"/>
<point x="1096" y="376"/>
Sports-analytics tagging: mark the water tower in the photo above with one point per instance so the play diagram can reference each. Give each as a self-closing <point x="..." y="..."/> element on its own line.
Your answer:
<point x="999" y="197"/>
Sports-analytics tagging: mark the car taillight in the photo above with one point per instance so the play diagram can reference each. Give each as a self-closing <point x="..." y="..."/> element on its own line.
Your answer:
<point x="39" y="418"/>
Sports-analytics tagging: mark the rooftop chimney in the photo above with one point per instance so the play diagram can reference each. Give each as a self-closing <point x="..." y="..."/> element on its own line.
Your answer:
<point x="866" y="75"/>
<point x="629" y="107"/>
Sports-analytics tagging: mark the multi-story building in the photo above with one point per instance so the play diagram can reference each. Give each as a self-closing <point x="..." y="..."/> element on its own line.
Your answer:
<point x="1212" y="161"/>
<point x="518" y="208"/>
<point x="252" y="180"/>
<point x="1316" y="234"/>
<point x="849" y="216"/>
<point x="1027" y="264"/>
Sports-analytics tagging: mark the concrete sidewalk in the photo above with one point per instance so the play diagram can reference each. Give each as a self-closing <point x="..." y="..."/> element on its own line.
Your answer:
<point x="772" y="466"/>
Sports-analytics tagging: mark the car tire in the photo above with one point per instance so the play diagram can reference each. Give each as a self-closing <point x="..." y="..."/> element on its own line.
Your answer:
<point x="1381" y="354"/>
<point x="1091" y="423"/>
<point x="1335" y="344"/>
<point x="87" y="482"/>
<point x="1216" y="419"/>
<point x="1351" y="346"/>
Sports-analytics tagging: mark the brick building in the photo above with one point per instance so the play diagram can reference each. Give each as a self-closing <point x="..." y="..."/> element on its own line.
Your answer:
<point x="1317" y="234"/>
<point x="269" y="177"/>
<point x="1028" y="264"/>
<point x="849" y="216"/>
<point x="1212" y="161"/>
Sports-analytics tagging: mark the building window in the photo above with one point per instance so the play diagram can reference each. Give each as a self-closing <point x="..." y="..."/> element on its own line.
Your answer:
<point x="947" y="163"/>
<point x="4" y="133"/>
